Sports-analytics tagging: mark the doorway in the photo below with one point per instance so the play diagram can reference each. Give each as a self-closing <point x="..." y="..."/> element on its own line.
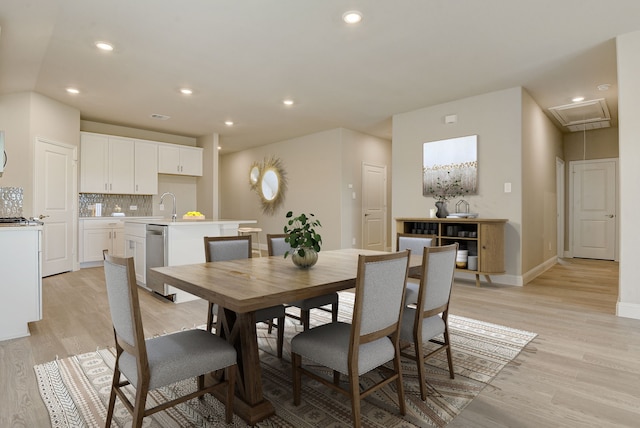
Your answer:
<point x="55" y="201"/>
<point x="374" y="207"/>
<point x="593" y="203"/>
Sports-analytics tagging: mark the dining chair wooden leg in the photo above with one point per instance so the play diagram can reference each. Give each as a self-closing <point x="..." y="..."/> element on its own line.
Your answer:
<point x="422" y="376"/>
<point x="399" y="386"/>
<point x="354" y="392"/>
<point x="449" y="354"/>
<point x="139" y="406"/>
<point x="280" y="328"/>
<point x="296" y="362"/>
<point x="304" y="318"/>
<point x="210" y="318"/>
<point x="270" y="328"/>
<point x="112" y="396"/>
<point x="334" y="312"/>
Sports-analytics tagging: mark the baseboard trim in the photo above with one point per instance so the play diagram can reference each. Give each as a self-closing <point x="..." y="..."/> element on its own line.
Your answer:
<point x="501" y="279"/>
<point x="540" y="269"/>
<point x="628" y="310"/>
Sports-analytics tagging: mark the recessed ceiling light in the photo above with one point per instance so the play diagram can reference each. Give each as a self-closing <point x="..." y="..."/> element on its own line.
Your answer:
<point x="186" y="91"/>
<point x="159" y="116"/>
<point x="104" y="46"/>
<point x="73" y="90"/>
<point x="604" y="87"/>
<point x="577" y="99"/>
<point x="287" y="102"/>
<point x="228" y="122"/>
<point x="352" y="17"/>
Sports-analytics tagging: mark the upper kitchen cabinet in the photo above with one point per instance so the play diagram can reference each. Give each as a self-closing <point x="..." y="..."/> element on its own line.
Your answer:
<point x="110" y="164"/>
<point x="181" y="160"/>
<point x="146" y="168"/>
<point x="106" y="164"/>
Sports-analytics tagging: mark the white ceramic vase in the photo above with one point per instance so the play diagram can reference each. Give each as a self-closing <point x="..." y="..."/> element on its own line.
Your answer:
<point x="309" y="259"/>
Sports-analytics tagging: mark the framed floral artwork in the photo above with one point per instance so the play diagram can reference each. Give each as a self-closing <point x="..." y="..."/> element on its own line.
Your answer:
<point x="450" y="168"/>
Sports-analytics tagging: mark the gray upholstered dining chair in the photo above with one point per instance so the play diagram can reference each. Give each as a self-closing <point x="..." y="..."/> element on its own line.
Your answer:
<point x="415" y="243"/>
<point x="224" y="248"/>
<point x="277" y="246"/>
<point x="152" y="363"/>
<point x="369" y="342"/>
<point x="429" y="319"/>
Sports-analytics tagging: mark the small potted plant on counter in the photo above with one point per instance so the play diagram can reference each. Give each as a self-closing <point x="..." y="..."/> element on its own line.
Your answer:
<point x="303" y="239"/>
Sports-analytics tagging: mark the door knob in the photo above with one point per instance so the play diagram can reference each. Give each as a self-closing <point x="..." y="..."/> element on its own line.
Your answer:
<point x="41" y="216"/>
<point x="609" y="215"/>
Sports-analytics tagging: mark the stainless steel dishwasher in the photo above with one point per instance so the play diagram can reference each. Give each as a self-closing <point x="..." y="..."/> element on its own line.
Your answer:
<point x="157" y="255"/>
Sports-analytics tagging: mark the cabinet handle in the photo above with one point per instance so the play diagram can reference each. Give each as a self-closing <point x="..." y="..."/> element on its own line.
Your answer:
<point x="178" y="168"/>
<point x="136" y="187"/>
<point x="109" y="235"/>
<point x="105" y="186"/>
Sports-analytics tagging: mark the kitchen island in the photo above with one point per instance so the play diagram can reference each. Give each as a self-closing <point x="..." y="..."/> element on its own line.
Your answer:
<point x="163" y="242"/>
<point x="20" y="279"/>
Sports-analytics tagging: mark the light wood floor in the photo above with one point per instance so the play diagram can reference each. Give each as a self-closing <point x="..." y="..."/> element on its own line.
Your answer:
<point x="583" y="369"/>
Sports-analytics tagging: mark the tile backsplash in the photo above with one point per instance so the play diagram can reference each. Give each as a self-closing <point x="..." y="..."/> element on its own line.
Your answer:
<point x="86" y="202"/>
<point x="11" y="201"/>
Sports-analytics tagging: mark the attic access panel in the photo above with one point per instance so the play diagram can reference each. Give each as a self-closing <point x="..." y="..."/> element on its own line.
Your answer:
<point x="582" y="112"/>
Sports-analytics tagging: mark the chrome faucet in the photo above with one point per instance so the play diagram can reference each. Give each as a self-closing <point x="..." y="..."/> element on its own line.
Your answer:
<point x="466" y="206"/>
<point x="174" y="216"/>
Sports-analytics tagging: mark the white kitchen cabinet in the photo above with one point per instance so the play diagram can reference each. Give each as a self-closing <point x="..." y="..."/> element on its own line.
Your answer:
<point x="106" y="164"/>
<point x="135" y="246"/>
<point x="98" y="235"/>
<point x="21" y="280"/>
<point x="180" y="160"/>
<point x="146" y="168"/>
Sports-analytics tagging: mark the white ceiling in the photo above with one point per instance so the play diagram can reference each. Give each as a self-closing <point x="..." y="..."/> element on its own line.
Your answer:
<point x="243" y="57"/>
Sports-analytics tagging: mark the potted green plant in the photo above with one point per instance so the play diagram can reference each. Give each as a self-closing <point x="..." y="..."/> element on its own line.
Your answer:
<point x="302" y="237"/>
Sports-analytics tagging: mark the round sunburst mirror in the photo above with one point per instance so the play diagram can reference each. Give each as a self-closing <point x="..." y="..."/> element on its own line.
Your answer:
<point x="254" y="175"/>
<point x="271" y="184"/>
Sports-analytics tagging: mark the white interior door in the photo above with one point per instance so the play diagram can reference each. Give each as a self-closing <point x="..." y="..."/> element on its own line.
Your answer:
<point x="55" y="193"/>
<point x="594" y="209"/>
<point x="374" y="206"/>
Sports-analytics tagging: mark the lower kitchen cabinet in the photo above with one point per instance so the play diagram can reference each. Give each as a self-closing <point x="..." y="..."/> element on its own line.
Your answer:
<point x="135" y="246"/>
<point x="99" y="235"/>
<point x="20" y="279"/>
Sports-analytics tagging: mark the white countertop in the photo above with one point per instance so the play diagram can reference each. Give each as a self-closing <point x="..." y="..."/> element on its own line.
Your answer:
<point x="122" y="217"/>
<point x="182" y="222"/>
<point x="23" y="228"/>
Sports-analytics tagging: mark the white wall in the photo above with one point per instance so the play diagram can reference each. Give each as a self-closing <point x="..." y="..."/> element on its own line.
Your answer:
<point x="541" y="144"/>
<point x="496" y="119"/>
<point x="356" y="149"/>
<point x="313" y="169"/>
<point x="24" y="117"/>
<point x="628" y="51"/>
<point x="319" y="168"/>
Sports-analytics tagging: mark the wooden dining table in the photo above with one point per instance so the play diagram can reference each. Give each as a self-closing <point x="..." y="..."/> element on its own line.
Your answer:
<point x="240" y="287"/>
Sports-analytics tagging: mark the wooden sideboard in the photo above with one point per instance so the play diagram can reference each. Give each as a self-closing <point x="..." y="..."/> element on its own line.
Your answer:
<point x="483" y="237"/>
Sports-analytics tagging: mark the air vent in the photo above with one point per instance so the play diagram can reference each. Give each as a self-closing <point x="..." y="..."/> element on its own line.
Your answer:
<point x="159" y="116"/>
<point x="587" y="115"/>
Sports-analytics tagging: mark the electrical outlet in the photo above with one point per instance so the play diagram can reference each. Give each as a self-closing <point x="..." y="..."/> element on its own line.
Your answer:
<point x="161" y="207"/>
<point x="133" y="208"/>
<point x="353" y="241"/>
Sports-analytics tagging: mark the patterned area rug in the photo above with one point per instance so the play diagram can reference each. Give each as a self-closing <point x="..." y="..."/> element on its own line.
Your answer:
<point x="75" y="390"/>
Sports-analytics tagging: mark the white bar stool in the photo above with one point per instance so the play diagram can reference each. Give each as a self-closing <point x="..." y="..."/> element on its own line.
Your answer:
<point x="250" y="230"/>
